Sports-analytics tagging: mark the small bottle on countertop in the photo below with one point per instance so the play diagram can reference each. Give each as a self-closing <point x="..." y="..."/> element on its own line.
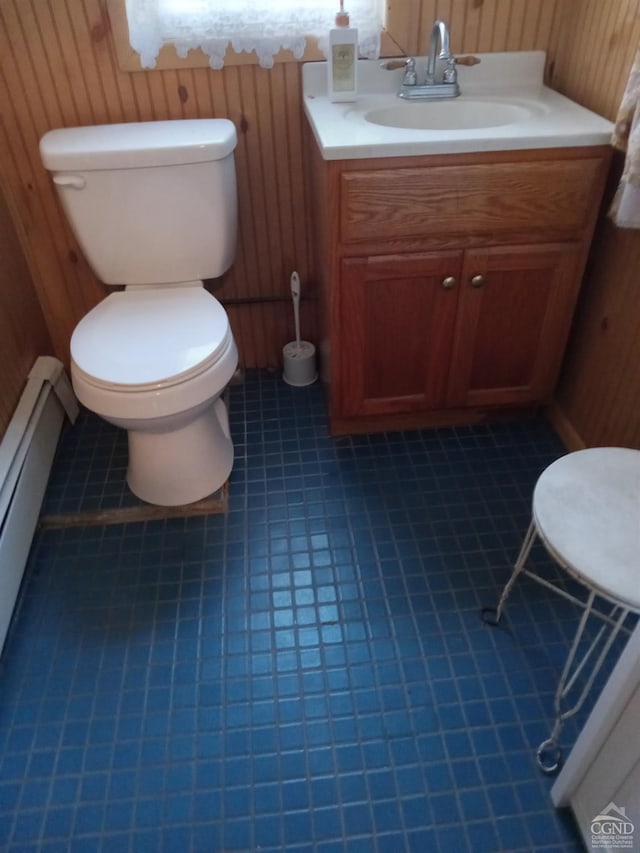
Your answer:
<point x="343" y="59"/>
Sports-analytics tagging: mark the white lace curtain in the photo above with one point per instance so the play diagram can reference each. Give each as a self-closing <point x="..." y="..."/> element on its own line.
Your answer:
<point x="261" y="25"/>
<point x="625" y="209"/>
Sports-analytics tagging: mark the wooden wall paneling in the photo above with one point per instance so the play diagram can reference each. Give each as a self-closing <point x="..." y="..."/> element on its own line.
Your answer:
<point x="247" y="242"/>
<point x="483" y="25"/>
<point x="175" y="106"/>
<point x="62" y="33"/>
<point x="159" y="98"/>
<point x="561" y="48"/>
<point x="185" y="80"/>
<point x="265" y="157"/>
<point x="254" y="212"/>
<point x="267" y="154"/>
<point x="487" y="24"/>
<point x="302" y="204"/>
<point x="597" y="400"/>
<point x="296" y="162"/>
<point x="516" y="23"/>
<point x="223" y="91"/>
<point x="26" y="50"/>
<point x="141" y="103"/>
<point x="453" y="12"/>
<point x="592" y="63"/>
<point x="23" y="332"/>
<point x="555" y="43"/>
<point x="202" y="94"/>
<point x="596" y="67"/>
<point x="37" y="111"/>
<point x="289" y="178"/>
<point x="59" y="71"/>
<point x="499" y="26"/>
<point x="474" y="13"/>
<point x="416" y="18"/>
<point x="604" y="83"/>
<point x="92" y="45"/>
<point x="257" y="243"/>
<point x="530" y="25"/>
<point x="584" y="34"/>
<point x="600" y="388"/>
<point x="545" y="23"/>
<point x="622" y="43"/>
<point x="220" y="93"/>
<point x="283" y="188"/>
<point x="459" y="21"/>
<point x="29" y="110"/>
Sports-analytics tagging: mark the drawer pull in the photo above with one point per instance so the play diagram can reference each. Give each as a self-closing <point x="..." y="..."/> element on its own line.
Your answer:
<point x="448" y="282"/>
<point x="477" y="281"/>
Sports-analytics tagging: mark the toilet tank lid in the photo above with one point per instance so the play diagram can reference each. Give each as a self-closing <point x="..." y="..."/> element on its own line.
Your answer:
<point x="137" y="144"/>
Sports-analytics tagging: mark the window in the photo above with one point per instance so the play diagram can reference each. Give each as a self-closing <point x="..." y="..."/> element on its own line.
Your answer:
<point x="265" y="26"/>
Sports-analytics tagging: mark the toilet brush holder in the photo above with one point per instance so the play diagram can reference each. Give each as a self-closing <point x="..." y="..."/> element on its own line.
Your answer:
<point x="299" y="359"/>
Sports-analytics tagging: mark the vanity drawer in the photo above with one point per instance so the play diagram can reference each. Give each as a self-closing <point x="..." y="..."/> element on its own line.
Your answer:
<point x="496" y="198"/>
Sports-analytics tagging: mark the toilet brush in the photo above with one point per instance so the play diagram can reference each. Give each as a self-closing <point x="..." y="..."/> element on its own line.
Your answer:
<point x="299" y="356"/>
<point x="295" y="295"/>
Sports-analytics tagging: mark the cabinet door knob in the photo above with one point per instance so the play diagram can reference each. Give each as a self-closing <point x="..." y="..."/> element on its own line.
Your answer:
<point x="448" y="282"/>
<point x="477" y="281"/>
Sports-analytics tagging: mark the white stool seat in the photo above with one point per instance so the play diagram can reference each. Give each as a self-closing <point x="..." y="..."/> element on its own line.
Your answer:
<point x="586" y="507"/>
<point x="586" y="512"/>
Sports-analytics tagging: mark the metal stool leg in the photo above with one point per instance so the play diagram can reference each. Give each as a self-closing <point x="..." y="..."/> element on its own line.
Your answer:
<point x="549" y="753"/>
<point x="491" y="615"/>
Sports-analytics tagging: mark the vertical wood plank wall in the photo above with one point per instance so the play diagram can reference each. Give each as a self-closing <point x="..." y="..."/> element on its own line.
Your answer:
<point x="23" y="334"/>
<point x="58" y="68"/>
<point x="482" y="25"/>
<point x="598" y="398"/>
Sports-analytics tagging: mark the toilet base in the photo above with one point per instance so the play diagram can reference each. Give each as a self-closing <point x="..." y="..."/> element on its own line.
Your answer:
<point x="183" y="465"/>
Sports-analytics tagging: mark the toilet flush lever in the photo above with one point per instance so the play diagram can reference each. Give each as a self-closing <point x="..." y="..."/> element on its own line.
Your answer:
<point x="77" y="182"/>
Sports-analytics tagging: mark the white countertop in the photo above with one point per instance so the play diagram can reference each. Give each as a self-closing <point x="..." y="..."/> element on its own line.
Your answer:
<point x="550" y="120"/>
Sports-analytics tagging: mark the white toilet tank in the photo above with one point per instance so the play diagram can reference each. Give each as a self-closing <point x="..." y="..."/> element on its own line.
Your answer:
<point x="149" y="202"/>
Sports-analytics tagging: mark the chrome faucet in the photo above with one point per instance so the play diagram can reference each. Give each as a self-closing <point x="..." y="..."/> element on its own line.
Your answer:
<point x="430" y="90"/>
<point x="439" y="29"/>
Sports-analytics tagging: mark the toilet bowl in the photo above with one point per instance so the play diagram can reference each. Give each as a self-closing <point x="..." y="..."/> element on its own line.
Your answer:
<point x="180" y="342"/>
<point x="153" y="206"/>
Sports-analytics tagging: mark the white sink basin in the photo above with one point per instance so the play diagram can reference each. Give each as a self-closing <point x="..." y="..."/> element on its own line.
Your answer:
<point x="504" y="105"/>
<point x="459" y="114"/>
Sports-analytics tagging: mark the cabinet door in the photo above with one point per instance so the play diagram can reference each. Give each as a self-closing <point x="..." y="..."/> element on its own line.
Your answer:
<point x="514" y="315"/>
<point x="397" y="315"/>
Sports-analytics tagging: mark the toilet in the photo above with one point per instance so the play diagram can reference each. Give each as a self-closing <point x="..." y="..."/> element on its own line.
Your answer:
<point x="153" y="206"/>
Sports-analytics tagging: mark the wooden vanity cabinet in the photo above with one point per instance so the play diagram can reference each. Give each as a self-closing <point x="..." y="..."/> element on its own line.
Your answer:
<point x="514" y="313"/>
<point x="398" y="318"/>
<point x="448" y="283"/>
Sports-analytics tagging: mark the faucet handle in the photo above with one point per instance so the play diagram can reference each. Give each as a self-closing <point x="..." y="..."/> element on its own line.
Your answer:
<point x="392" y="64"/>
<point x="468" y="60"/>
<point x="450" y="74"/>
<point x="410" y="76"/>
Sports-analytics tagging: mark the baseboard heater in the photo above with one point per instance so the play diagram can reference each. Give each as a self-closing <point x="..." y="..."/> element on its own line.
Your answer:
<point x="26" y="455"/>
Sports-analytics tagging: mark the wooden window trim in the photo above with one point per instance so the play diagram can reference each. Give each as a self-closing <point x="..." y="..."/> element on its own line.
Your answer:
<point x="396" y="38"/>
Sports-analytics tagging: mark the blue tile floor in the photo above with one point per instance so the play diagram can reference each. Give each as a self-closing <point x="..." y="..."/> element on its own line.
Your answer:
<point x="308" y="672"/>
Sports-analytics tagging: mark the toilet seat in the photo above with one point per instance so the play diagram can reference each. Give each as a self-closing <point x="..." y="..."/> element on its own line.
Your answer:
<point x="150" y="338"/>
